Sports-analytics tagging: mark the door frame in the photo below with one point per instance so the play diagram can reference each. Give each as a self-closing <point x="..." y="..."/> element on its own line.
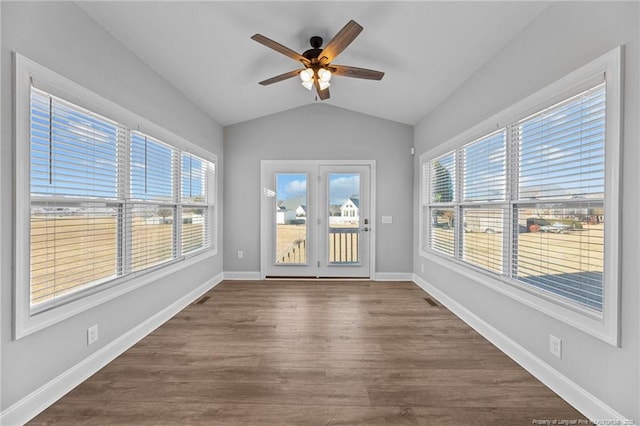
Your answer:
<point x="266" y="213"/>
<point x="344" y="270"/>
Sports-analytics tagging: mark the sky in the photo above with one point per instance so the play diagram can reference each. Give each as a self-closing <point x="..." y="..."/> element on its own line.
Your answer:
<point x="560" y="150"/>
<point x="341" y="186"/>
<point x="75" y="154"/>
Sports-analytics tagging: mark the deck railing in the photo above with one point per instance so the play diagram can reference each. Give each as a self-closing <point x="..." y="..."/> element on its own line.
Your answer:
<point x="343" y="245"/>
<point x="343" y="248"/>
<point x="295" y="253"/>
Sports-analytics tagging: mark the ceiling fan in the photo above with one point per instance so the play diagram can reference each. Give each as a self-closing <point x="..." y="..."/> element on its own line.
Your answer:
<point x="317" y="62"/>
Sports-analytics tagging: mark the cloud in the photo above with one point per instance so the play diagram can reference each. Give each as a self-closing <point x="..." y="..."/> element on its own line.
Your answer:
<point x="343" y="187"/>
<point x="296" y="188"/>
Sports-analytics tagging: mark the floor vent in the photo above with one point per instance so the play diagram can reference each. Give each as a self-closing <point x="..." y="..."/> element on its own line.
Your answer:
<point x="430" y="301"/>
<point x="201" y="301"/>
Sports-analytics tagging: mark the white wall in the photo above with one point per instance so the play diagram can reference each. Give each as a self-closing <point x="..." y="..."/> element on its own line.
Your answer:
<point x="563" y="38"/>
<point x="63" y="38"/>
<point x="318" y="132"/>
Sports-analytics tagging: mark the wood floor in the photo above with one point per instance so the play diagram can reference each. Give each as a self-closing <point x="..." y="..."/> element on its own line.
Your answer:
<point x="311" y="353"/>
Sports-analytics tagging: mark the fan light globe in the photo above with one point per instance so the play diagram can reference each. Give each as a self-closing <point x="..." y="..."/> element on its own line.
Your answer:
<point x="323" y="84"/>
<point x="307" y="85"/>
<point x="306" y="75"/>
<point x="324" y="75"/>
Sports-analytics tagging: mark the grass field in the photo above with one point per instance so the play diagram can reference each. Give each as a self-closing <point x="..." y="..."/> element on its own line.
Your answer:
<point x="69" y="252"/>
<point x="545" y="252"/>
<point x="288" y="238"/>
<point x="72" y="252"/>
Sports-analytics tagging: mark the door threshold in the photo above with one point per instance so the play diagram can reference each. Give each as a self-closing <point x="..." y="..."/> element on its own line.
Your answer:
<point x="306" y="278"/>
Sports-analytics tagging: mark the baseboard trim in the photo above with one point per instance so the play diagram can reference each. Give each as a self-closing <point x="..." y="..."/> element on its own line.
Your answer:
<point x="379" y="276"/>
<point x="36" y="402"/>
<point x="393" y="276"/>
<point x="242" y="275"/>
<point x="583" y="401"/>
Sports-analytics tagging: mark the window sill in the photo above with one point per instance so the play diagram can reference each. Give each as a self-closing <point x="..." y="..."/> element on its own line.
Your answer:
<point x="580" y="318"/>
<point x="28" y="323"/>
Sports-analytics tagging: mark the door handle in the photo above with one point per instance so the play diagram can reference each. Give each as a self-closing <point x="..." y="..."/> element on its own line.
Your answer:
<point x="365" y="229"/>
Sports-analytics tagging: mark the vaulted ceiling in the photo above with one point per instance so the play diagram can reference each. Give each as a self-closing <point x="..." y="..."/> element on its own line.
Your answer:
<point x="426" y="49"/>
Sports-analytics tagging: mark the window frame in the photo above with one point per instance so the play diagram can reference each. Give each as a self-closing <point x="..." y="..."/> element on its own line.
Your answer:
<point x="26" y="319"/>
<point x="604" y="326"/>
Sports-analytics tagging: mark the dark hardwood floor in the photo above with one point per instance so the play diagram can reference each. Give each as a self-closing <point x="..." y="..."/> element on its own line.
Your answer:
<point x="311" y="353"/>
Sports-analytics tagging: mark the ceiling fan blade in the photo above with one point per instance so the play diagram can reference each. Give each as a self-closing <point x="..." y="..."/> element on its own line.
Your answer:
<point x="345" y="71"/>
<point x="280" y="48"/>
<point x="340" y="41"/>
<point x="280" y="77"/>
<point x="323" y="94"/>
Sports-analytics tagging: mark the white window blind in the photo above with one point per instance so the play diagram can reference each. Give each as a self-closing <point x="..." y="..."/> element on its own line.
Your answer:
<point x="73" y="151"/>
<point x="442" y="193"/>
<point x="72" y="246"/>
<point x="484" y="168"/>
<point x="561" y="149"/>
<point x="106" y="201"/>
<point x="442" y="178"/>
<point x="531" y="200"/>
<point x="562" y="158"/>
<point x="153" y="215"/>
<point x="152" y="235"/>
<point x="152" y="169"/>
<point x="443" y="233"/>
<point x="196" y="187"/>
<point x="483" y="237"/>
<point x="484" y="182"/>
<point x="73" y="238"/>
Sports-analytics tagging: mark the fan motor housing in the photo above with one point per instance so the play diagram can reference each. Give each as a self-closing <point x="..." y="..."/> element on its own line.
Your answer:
<point x="314" y="52"/>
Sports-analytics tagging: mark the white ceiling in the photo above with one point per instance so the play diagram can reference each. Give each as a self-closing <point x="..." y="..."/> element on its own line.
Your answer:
<point x="426" y="49"/>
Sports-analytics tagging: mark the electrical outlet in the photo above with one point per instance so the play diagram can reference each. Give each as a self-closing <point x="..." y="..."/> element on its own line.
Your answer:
<point x="422" y="267"/>
<point x="555" y="346"/>
<point x="92" y="334"/>
<point x="240" y="254"/>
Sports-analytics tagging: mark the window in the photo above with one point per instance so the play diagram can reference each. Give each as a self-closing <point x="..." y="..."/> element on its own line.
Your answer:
<point x="441" y="211"/>
<point x="106" y="203"/>
<point x="195" y="187"/>
<point x="526" y="203"/>
<point x="560" y="199"/>
<point x="74" y="210"/>
<point x="151" y="215"/>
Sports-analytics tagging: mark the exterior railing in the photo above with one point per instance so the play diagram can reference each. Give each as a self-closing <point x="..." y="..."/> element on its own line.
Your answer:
<point x="343" y="248"/>
<point x="344" y="245"/>
<point x="295" y="253"/>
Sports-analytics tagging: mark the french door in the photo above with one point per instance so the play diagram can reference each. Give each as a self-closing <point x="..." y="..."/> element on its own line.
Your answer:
<point x="316" y="218"/>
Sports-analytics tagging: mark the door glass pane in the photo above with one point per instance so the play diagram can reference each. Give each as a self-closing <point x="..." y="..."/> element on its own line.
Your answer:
<point x="291" y="218"/>
<point x="344" y="218"/>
